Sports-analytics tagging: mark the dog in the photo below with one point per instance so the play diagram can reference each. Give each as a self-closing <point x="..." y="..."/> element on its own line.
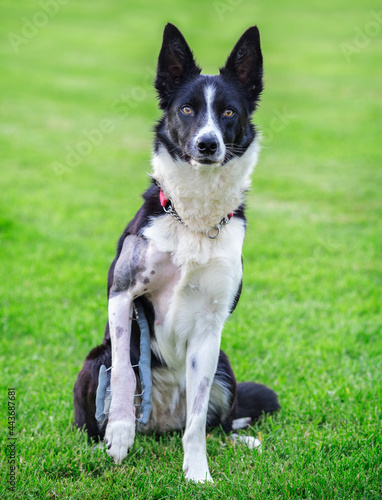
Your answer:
<point x="181" y="259"/>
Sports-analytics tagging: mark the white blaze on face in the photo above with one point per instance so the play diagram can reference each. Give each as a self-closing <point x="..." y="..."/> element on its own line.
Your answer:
<point x="211" y="127"/>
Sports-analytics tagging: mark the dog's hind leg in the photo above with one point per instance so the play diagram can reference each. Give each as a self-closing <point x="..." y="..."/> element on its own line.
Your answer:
<point x="222" y="403"/>
<point x="85" y="390"/>
<point x="237" y="406"/>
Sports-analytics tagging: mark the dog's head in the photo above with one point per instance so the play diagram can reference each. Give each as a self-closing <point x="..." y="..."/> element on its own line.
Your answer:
<point x="207" y="119"/>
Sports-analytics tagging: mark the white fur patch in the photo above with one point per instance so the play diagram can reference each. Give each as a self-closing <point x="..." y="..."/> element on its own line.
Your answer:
<point x="119" y="438"/>
<point x="201" y="298"/>
<point x="249" y="441"/>
<point x="196" y="468"/>
<point x="203" y="195"/>
<point x="168" y="401"/>
<point x="241" y="423"/>
<point x="211" y="126"/>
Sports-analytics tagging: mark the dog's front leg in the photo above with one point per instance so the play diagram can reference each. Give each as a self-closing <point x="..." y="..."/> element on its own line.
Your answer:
<point x="131" y="278"/>
<point x="120" y="431"/>
<point x="202" y="359"/>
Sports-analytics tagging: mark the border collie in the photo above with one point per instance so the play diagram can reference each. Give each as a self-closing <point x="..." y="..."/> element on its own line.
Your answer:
<point x="180" y="258"/>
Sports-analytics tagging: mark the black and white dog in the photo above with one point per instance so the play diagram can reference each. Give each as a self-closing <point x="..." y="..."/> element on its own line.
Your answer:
<point x="181" y="256"/>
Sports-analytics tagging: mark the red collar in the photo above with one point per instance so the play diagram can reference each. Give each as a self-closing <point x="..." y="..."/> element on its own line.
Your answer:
<point x="163" y="200"/>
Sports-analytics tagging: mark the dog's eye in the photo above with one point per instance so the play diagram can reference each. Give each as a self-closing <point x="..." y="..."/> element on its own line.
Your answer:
<point x="187" y="110"/>
<point x="229" y="112"/>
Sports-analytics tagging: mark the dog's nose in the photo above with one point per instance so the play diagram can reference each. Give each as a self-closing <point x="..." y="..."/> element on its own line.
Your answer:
<point x="207" y="144"/>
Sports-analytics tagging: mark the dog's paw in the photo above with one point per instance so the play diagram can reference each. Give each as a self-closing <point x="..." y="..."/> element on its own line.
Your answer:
<point x="119" y="438"/>
<point x="196" y="469"/>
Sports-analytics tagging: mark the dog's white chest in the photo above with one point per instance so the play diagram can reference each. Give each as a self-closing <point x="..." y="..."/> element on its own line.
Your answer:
<point x="203" y="277"/>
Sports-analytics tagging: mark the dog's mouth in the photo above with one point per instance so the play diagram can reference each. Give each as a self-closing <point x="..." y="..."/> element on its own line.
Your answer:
<point x="204" y="161"/>
<point x="201" y="161"/>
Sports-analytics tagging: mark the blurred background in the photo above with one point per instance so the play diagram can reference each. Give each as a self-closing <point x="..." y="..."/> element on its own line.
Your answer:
<point x="77" y="116"/>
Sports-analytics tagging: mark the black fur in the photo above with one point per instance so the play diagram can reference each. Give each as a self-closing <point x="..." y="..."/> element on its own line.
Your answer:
<point x="176" y="64"/>
<point x="175" y="130"/>
<point x="255" y="399"/>
<point x="239" y="83"/>
<point x="245" y="64"/>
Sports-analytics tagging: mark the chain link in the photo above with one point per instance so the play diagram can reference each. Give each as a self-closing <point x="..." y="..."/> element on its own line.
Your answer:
<point x="169" y="209"/>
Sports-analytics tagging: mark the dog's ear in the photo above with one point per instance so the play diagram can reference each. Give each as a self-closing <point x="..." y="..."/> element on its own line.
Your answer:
<point x="245" y="63"/>
<point x="175" y="63"/>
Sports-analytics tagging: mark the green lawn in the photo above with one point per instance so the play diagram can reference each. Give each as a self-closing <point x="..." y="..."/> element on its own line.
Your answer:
<point x="309" y="321"/>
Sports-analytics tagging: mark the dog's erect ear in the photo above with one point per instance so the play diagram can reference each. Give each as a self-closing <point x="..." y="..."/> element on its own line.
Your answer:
<point x="246" y="63"/>
<point x="175" y="63"/>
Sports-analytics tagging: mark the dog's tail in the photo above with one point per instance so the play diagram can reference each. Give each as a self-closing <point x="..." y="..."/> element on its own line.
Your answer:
<point x="253" y="400"/>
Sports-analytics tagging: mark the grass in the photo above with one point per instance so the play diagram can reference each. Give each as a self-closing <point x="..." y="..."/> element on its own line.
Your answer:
<point x="309" y="320"/>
